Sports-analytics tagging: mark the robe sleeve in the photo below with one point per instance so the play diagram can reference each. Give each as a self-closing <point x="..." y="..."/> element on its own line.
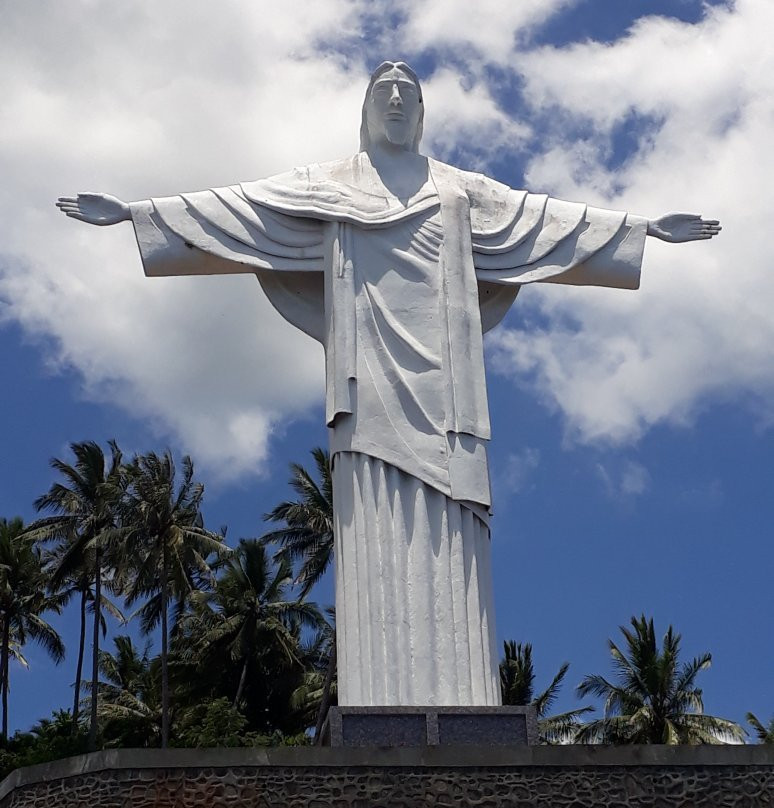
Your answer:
<point x="520" y="238"/>
<point x="220" y="231"/>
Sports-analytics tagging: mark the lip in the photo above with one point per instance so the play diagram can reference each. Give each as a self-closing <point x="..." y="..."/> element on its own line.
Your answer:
<point x="395" y="116"/>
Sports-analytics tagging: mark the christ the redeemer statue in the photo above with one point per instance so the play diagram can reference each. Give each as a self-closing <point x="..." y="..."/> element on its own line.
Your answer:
<point x="397" y="264"/>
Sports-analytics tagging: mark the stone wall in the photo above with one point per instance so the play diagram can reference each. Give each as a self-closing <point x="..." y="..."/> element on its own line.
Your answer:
<point x="536" y="777"/>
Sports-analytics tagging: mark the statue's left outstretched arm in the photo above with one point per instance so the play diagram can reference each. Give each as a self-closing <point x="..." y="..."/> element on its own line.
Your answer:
<point x="679" y="227"/>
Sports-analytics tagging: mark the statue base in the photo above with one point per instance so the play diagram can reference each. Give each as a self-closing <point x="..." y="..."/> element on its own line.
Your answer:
<point x="496" y="777"/>
<point x="429" y="726"/>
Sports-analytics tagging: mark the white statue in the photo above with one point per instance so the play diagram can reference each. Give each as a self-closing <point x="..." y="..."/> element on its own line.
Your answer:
<point x="397" y="263"/>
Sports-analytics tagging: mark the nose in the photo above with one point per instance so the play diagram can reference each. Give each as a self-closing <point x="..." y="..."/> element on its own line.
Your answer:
<point x="395" y="99"/>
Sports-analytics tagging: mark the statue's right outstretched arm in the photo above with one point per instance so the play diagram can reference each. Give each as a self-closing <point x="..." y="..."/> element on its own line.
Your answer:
<point x="212" y="232"/>
<point x="101" y="209"/>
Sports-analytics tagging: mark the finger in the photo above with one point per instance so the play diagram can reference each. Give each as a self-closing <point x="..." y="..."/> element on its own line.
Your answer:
<point x="70" y="199"/>
<point x="90" y="195"/>
<point x="710" y="221"/>
<point x="697" y="236"/>
<point x="74" y="214"/>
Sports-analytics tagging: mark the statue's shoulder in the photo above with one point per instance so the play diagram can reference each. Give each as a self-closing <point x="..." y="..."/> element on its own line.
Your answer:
<point x="344" y="170"/>
<point x="494" y="206"/>
<point x="301" y="179"/>
<point x="473" y="183"/>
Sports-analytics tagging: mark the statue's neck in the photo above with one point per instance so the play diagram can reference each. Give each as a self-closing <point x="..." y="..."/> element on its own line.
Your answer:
<point x="401" y="172"/>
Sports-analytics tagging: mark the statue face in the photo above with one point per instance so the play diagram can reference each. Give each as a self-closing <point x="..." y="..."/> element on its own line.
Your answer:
<point x="394" y="109"/>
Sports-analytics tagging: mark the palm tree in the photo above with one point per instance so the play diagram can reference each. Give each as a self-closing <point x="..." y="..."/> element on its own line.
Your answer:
<point x="308" y="537"/>
<point x="78" y="582"/>
<point x="130" y="703"/>
<point x="249" y="612"/>
<point x="517" y="685"/>
<point x="170" y="548"/>
<point x="656" y="700"/>
<point x="308" y="532"/>
<point x="764" y="733"/>
<point x="85" y="522"/>
<point x="23" y="600"/>
<point x="312" y="698"/>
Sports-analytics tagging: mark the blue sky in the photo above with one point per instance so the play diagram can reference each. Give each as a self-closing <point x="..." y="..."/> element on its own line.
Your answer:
<point x="632" y="453"/>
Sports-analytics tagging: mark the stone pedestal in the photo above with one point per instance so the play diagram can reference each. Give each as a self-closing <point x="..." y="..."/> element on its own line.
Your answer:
<point x="448" y="776"/>
<point x="430" y="726"/>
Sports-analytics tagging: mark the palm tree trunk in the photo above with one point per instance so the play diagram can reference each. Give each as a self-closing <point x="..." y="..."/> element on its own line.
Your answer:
<point x="241" y="687"/>
<point x="325" y="701"/>
<point x="2" y="672"/>
<point x="4" y="668"/>
<point x="79" y="666"/>
<point x="95" y="649"/>
<point x="164" y="651"/>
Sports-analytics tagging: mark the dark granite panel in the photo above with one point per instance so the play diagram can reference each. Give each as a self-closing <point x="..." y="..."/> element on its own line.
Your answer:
<point x="352" y="727"/>
<point x="481" y="730"/>
<point x="384" y="729"/>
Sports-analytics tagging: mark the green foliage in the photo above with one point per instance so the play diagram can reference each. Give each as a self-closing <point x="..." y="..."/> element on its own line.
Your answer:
<point x="307" y="539"/>
<point x="23" y="601"/>
<point x="84" y="508"/>
<point x="171" y="548"/>
<point x="764" y="733"/>
<point x="215" y="722"/>
<point x="308" y="533"/>
<point x="655" y="700"/>
<point x="50" y="739"/>
<point x="517" y="680"/>
<point x="244" y="656"/>
<point x="243" y="640"/>
<point x="130" y="696"/>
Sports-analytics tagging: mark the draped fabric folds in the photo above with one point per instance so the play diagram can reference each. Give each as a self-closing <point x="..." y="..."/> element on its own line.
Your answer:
<point x="399" y="292"/>
<point x="418" y="588"/>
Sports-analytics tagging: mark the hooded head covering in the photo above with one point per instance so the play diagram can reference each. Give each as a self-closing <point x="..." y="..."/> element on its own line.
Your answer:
<point x="385" y="67"/>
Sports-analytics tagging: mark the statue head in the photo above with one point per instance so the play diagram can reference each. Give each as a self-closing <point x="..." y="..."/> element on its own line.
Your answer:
<point x="393" y="110"/>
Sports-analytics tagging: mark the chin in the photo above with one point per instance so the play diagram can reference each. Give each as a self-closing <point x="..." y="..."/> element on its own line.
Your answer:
<point x="397" y="138"/>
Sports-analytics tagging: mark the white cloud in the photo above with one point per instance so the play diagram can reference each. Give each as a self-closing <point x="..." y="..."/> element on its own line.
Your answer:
<point x="616" y="363"/>
<point x="149" y="99"/>
<point x="467" y="120"/>
<point x="489" y="29"/>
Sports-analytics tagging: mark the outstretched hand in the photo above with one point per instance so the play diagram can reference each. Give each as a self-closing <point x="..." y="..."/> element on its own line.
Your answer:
<point x="101" y="209"/>
<point x="679" y="227"/>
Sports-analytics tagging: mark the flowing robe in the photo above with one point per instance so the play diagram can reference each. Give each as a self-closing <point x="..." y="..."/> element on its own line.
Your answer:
<point x="399" y="293"/>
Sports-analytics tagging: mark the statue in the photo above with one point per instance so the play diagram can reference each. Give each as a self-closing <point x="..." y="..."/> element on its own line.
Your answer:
<point x="397" y="264"/>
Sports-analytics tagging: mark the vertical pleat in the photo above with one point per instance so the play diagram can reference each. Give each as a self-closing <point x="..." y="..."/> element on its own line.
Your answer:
<point x="413" y="592"/>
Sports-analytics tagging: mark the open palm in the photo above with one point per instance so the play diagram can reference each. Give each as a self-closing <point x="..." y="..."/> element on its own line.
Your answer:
<point x="100" y="209"/>
<point x="679" y="227"/>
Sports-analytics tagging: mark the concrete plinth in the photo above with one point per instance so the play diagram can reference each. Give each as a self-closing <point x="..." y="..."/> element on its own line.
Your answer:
<point x="430" y="726"/>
